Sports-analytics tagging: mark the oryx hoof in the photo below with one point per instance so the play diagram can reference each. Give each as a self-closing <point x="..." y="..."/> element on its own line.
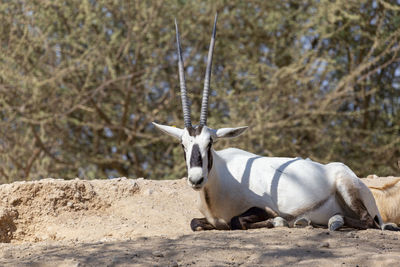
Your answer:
<point x="201" y="224"/>
<point x="301" y="222"/>
<point x="390" y="227"/>
<point x="280" y="222"/>
<point x="335" y="222"/>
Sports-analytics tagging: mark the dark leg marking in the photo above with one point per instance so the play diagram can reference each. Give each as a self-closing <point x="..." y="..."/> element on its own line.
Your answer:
<point x="390" y="227"/>
<point x="251" y="219"/>
<point x="355" y="204"/>
<point x="386" y="226"/>
<point x="264" y="224"/>
<point x="337" y="221"/>
<point x="356" y="223"/>
<point x="365" y="217"/>
<point x="201" y="224"/>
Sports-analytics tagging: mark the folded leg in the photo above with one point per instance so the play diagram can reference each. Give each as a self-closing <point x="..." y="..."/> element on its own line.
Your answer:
<point x="256" y="218"/>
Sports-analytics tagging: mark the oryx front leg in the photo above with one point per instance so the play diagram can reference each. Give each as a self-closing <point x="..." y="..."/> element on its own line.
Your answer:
<point x="204" y="224"/>
<point x="255" y="218"/>
<point x="201" y="224"/>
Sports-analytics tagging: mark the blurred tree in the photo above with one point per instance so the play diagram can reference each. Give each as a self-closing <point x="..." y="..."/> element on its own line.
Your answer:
<point x="81" y="81"/>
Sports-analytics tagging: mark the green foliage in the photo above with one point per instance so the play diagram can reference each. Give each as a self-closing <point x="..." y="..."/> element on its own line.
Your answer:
<point x="81" y="82"/>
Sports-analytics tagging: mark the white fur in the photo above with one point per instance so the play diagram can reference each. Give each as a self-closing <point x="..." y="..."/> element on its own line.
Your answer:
<point x="240" y="180"/>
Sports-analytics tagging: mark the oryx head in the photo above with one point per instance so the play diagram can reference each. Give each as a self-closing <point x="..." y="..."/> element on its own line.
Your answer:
<point x="197" y="140"/>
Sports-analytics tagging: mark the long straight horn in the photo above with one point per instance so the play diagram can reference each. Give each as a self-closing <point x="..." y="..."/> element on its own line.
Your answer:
<point x="207" y="78"/>
<point x="185" y="104"/>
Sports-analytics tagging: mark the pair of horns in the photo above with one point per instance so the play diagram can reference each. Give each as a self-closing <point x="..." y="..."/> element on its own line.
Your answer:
<point x="207" y="78"/>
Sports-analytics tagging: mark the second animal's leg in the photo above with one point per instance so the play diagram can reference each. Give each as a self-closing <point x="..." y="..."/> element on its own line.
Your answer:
<point x="390" y="227"/>
<point x="256" y="218"/>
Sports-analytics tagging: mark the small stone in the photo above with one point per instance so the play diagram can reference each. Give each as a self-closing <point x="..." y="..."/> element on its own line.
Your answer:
<point x="351" y="235"/>
<point x="148" y="192"/>
<point x="324" y="245"/>
<point x="158" y="254"/>
<point x="72" y="263"/>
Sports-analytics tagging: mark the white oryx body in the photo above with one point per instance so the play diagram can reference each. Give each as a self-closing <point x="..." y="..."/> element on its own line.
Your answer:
<point x="233" y="182"/>
<point x="291" y="187"/>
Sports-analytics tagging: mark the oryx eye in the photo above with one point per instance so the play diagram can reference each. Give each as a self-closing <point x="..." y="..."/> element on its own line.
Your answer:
<point x="183" y="147"/>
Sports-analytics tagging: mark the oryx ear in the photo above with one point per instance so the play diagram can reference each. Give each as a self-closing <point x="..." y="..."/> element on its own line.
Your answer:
<point x="230" y="132"/>
<point x="172" y="131"/>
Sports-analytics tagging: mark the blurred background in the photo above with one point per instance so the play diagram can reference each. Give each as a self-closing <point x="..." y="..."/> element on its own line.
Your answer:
<point x="82" y="80"/>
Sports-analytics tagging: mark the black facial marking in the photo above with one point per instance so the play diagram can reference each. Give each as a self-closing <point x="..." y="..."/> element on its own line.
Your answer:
<point x="209" y="156"/>
<point x="184" y="152"/>
<point x="194" y="131"/>
<point x="195" y="158"/>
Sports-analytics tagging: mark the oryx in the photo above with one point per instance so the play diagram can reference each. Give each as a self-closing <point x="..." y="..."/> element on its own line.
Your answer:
<point x="240" y="190"/>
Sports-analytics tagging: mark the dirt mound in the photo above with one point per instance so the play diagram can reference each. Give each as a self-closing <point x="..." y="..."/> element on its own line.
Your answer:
<point x="53" y="209"/>
<point x="53" y="197"/>
<point x="125" y="222"/>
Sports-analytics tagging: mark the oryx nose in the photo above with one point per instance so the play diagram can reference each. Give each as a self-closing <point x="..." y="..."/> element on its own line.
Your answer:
<point x="194" y="181"/>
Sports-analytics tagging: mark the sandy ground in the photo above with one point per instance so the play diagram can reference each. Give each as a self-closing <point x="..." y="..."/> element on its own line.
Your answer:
<point x="125" y="222"/>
